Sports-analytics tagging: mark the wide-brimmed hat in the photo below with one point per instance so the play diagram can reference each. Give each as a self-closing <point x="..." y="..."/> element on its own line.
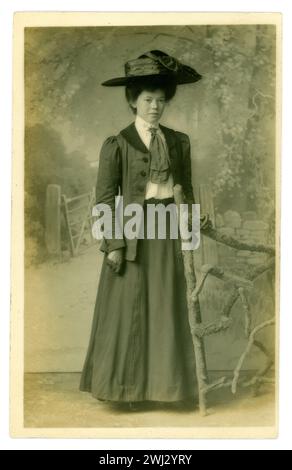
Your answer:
<point x="152" y="64"/>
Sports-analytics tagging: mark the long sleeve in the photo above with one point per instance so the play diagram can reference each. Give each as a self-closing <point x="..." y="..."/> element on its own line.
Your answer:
<point x="187" y="168"/>
<point x="107" y="186"/>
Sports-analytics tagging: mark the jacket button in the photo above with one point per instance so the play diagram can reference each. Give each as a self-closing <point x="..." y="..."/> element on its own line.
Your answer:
<point x="145" y="159"/>
<point x="143" y="173"/>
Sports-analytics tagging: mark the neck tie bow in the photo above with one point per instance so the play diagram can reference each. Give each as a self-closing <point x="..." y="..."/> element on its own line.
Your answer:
<point x="159" y="162"/>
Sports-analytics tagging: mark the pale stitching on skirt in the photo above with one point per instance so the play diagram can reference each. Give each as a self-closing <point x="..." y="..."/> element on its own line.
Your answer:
<point x="134" y="342"/>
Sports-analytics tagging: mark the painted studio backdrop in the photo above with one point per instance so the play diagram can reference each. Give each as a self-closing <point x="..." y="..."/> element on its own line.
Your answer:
<point x="230" y="118"/>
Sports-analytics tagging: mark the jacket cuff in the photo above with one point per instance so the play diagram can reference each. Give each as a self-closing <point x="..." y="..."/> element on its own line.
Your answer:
<point x="111" y="245"/>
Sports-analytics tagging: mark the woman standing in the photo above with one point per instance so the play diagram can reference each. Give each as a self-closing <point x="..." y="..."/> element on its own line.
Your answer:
<point x="140" y="347"/>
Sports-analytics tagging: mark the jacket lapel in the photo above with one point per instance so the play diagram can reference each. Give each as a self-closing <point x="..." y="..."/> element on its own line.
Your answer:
<point x="174" y="153"/>
<point x="131" y="135"/>
<point x="169" y="135"/>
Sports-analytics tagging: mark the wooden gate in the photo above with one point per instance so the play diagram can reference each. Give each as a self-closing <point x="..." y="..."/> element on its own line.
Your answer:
<point x="78" y="218"/>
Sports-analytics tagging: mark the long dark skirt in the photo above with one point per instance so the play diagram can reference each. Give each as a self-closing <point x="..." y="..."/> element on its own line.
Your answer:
<point x="141" y="346"/>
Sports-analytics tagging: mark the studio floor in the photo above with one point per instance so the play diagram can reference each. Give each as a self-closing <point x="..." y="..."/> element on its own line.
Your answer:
<point x="53" y="400"/>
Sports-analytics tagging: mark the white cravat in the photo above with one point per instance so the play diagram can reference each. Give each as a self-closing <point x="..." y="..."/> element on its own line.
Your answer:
<point x="157" y="190"/>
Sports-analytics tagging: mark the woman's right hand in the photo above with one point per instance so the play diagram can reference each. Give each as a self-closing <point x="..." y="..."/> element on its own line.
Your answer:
<point x="115" y="260"/>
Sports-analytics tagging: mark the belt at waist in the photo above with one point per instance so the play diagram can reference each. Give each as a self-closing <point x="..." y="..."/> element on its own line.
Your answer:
<point x="165" y="201"/>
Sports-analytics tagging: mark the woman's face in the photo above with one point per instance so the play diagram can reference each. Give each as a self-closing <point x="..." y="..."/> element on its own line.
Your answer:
<point x="150" y="105"/>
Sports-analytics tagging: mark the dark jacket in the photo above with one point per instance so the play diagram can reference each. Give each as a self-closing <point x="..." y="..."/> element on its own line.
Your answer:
<point x="124" y="169"/>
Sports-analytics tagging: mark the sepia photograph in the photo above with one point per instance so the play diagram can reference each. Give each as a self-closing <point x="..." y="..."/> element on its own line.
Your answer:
<point x="145" y="230"/>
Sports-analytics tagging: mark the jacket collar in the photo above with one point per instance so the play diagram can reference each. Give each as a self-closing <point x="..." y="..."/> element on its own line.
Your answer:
<point x="131" y="135"/>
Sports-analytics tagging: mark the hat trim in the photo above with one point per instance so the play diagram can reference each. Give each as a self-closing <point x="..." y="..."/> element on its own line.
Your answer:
<point x="133" y="78"/>
<point x="153" y="64"/>
<point x="123" y="81"/>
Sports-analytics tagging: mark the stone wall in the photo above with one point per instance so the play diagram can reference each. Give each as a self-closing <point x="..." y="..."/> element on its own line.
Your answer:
<point x="246" y="227"/>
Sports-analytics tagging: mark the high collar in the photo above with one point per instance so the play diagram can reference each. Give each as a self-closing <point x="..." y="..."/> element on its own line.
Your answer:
<point x="143" y="125"/>
<point x="131" y="135"/>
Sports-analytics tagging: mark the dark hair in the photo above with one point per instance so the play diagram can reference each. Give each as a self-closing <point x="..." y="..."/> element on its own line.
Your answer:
<point x="134" y="89"/>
